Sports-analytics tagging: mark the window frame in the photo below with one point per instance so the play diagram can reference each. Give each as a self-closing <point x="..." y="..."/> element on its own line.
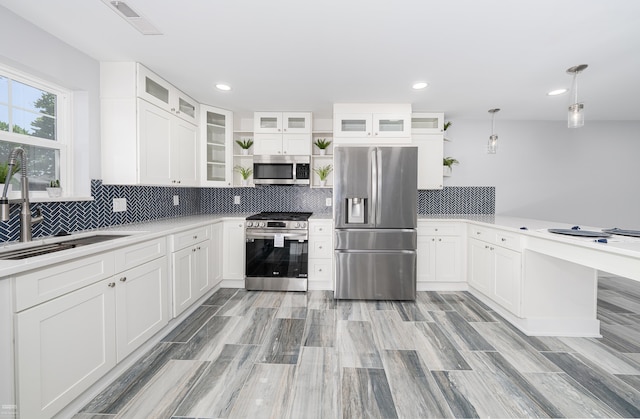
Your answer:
<point x="64" y="137"/>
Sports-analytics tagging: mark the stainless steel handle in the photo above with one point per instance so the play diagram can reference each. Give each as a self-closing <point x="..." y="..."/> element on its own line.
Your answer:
<point x="123" y="279"/>
<point x="111" y="284"/>
<point x="292" y="236"/>
<point x="374" y="187"/>
<point x="503" y="239"/>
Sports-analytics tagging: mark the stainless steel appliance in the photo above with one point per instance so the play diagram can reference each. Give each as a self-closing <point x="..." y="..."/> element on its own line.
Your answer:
<point x="375" y="213"/>
<point x="277" y="251"/>
<point x="281" y="170"/>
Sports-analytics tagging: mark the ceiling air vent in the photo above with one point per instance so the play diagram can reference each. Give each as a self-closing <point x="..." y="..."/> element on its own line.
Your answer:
<point x="127" y="13"/>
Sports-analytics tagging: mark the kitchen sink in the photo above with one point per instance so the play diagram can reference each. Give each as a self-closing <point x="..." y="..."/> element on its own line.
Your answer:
<point x="45" y="249"/>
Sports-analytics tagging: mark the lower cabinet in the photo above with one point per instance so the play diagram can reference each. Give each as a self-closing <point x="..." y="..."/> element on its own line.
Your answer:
<point x="440" y="255"/>
<point x="496" y="271"/>
<point x="67" y="343"/>
<point x="320" y="273"/>
<point x="234" y="249"/>
<point x="217" y="246"/>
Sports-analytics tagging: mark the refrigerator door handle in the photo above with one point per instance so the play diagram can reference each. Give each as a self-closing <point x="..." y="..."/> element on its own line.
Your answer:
<point x="373" y="205"/>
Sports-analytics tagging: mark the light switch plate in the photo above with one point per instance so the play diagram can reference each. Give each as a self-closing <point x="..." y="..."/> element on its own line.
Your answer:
<point x="119" y="204"/>
<point x="236" y="200"/>
<point x="176" y="200"/>
<point x="327" y="202"/>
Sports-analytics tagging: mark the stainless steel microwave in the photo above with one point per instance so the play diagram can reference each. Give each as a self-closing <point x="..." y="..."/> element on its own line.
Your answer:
<point x="281" y="170"/>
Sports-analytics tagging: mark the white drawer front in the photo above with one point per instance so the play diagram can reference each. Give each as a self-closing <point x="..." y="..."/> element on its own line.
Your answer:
<point x="433" y="229"/>
<point x="320" y="247"/>
<point x="508" y="240"/>
<point x="137" y="254"/>
<point x="319" y="269"/>
<point x="189" y="238"/>
<point x="39" y="286"/>
<point x="320" y="228"/>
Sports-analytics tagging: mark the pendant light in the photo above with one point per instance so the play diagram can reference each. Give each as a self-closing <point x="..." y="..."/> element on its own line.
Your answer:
<point x="493" y="138"/>
<point x="576" y="109"/>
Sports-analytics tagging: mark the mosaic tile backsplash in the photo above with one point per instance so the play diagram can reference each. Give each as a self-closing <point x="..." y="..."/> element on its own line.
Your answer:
<point x="145" y="203"/>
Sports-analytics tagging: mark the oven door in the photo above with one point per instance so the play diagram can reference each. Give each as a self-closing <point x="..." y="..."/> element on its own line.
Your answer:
<point x="276" y="255"/>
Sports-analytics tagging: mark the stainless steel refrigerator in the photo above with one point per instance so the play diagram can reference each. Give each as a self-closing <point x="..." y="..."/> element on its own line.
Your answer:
<point x="374" y="201"/>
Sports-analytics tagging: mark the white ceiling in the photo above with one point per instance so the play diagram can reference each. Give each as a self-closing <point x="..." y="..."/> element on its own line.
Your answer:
<point x="308" y="54"/>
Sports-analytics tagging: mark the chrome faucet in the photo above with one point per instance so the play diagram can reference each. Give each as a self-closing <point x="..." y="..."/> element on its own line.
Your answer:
<point x="26" y="218"/>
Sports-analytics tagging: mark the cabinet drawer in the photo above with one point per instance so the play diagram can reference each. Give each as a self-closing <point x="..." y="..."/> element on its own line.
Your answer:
<point x="508" y="240"/>
<point x="433" y="229"/>
<point x="37" y="287"/>
<point x="319" y="269"/>
<point x="481" y="233"/>
<point x="320" y="247"/>
<point x="137" y="254"/>
<point x="319" y="229"/>
<point x="188" y="238"/>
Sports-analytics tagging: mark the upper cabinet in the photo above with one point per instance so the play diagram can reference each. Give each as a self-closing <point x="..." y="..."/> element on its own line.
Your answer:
<point x="278" y="133"/>
<point x="427" y="135"/>
<point x="161" y="93"/>
<point x="367" y="123"/>
<point x="216" y="153"/>
<point x="427" y="123"/>
<point x="149" y="133"/>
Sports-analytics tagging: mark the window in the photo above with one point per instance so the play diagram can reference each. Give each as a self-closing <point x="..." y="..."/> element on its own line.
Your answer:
<point x="33" y="116"/>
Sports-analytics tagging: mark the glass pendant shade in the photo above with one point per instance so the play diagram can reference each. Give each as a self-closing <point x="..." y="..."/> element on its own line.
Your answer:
<point x="575" y="117"/>
<point x="492" y="146"/>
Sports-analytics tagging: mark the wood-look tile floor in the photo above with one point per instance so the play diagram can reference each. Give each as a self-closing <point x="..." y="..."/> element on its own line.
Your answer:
<point x="249" y="354"/>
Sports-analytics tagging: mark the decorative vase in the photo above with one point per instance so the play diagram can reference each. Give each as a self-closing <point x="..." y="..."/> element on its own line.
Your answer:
<point x="245" y="182"/>
<point x="244" y="151"/>
<point x="323" y="151"/>
<point x="54" y="192"/>
<point x="323" y="182"/>
<point x="446" y="171"/>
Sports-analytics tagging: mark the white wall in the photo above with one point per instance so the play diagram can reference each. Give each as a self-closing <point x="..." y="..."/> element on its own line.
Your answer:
<point x="30" y="49"/>
<point x="585" y="176"/>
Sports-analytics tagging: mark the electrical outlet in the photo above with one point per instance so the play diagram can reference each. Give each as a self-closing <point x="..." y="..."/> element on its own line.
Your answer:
<point x="236" y="200"/>
<point x="119" y="204"/>
<point x="327" y="202"/>
<point x="176" y="200"/>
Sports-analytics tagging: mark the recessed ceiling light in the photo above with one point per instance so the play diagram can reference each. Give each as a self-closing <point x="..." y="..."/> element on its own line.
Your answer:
<point x="557" y="92"/>
<point x="224" y="87"/>
<point x="420" y="85"/>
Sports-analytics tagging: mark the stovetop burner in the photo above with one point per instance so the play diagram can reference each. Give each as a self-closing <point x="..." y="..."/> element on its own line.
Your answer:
<point x="281" y="216"/>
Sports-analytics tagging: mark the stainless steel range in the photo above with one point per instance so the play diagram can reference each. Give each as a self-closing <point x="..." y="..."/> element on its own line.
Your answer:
<point x="277" y="251"/>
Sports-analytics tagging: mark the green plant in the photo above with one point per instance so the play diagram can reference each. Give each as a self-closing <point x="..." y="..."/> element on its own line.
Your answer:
<point x="322" y="143"/>
<point x="4" y="170"/>
<point x="323" y="171"/>
<point x="449" y="161"/>
<point x="54" y="184"/>
<point x="245" y="172"/>
<point x="447" y="125"/>
<point x="245" y="143"/>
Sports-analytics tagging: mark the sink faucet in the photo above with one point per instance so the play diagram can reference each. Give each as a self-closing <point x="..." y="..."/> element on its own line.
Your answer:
<point x="26" y="218"/>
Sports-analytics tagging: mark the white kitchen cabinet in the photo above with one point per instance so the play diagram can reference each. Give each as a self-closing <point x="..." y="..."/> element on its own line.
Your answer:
<point x="216" y="152"/>
<point x="495" y="266"/>
<point x="156" y="90"/>
<point x="215" y="258"/>
<point x="440" y="256"/>
<point x="190" y="261"/>
<point x="377" y="123"/>
<point x="282" y="133"/>
<point x="320" y="273"/>
<point x="233" y="265"/>
<point x="427" y="123"/>
<point x="143" y="143"/>
<point x="71" y="335"/>
<point x="430" y="154"/>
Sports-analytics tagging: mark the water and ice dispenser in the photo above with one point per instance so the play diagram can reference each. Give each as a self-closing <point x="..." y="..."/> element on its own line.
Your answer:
<point x="356" y="210"/>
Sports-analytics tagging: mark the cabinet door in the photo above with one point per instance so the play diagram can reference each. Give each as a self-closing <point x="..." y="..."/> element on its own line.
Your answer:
<point x="448" y="259"/>
<point x="202" y="281"/>
<point x="427" y="123"/>
<point x="267" y="122"/>
<point x="154" y="133"/>
<point x="267" y="144"/>
<point x="480" y="267"/>
<point x="62" y="347"/>
<point x="392" y="125"/>
<point x="296" y="144"/>
<point x="234" y="250"/>
<point x="141" y="305"/>
<point x="183" y="267"/>
<point x="426" y="264"/>
<point x="296" y="122"/>
<point x="430" y="153"/>
<point x="215" y="258"/>
<point x="184" y="140"/>
<point x="353" y="125"/>
<point x="185" y="107"/>
<point x="216" y="152"/>
<point x="506" y="289"/>
<point x="153" y="88"/>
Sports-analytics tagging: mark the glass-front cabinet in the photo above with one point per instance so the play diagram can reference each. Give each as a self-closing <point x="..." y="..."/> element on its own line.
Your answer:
<point x="427" y="123"/>
<point x="282" y="122"/>
<point x="217" y="146"/>
<point x="367" y="125"/>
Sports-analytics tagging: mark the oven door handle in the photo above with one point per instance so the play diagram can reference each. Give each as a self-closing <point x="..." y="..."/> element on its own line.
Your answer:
<point x="289" y="236"/>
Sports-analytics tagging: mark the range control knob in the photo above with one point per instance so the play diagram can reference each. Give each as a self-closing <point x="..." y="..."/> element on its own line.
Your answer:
<point x="249" y="224"/>
<point x="262" y="224"/>
<point x="297" y="225"/>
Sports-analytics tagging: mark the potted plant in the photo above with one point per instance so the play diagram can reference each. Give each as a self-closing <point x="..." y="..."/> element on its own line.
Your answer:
<point x="54" y="190"/>
<point x="4" y="170"/>
<point x="245" y="144"/>
<point x="245" y="172"/>
<point x="446" y="126"/>
<point x="447" y="163"/>
<point x="323" y="172"/>
<point x="322" y="144"/>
